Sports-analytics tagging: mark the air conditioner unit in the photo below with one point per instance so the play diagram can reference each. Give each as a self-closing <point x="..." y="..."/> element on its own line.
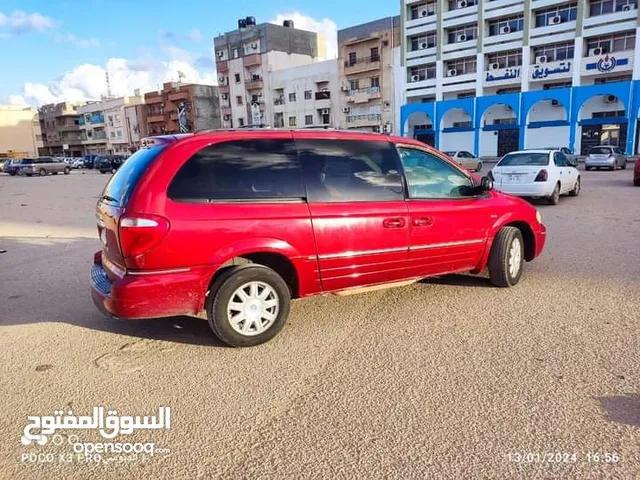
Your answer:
<point x="324" y="90"/>
<point x="221" y="79"/>
<point x="610" y="99"/>
<point x="220" y="53"/>
<point x="424" y="12"/>
<point x="628" y="7"/>
<point x="541" y="59"/>
<point x="462" y="38"/>
<point x="346" y="109"/>
<point x="225" y="96"/>
<point x="415" y="78"/>
<point x="594" y="52"/>
<point x="423" y="45"/>
<point x="254" y="46"/>
<point x="344" y="88"/>
<point x="505" y="29"/>
<point x="494" y="66"/>
<point x="431" y="9"/>
<point x="452" y="72"/>
<point x="226" y="118"/>
<point x="555" y="20"/>
<point x="387" y="128"/>
<point x="462" y="3"/>
<point x="325" y="111"/>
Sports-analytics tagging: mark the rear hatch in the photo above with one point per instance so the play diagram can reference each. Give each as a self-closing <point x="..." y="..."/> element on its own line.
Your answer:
<point x="599" y="153"/>
<point x="112" y="207"/>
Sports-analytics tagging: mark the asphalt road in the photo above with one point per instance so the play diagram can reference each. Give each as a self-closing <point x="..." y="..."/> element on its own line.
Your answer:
<point x="448" y="378"/>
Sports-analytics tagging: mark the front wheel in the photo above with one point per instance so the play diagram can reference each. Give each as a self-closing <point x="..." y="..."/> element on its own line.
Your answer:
<point x="42" y="172"/>
<point x="576" y="189"/>
<point x="249" y="305"/>
<point x="67" y="171"/>
<point x="506" y="257"/>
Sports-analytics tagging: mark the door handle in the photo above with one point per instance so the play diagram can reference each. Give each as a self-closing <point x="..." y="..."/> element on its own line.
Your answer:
<point x="393" y="222"/>
<point x="422" y="222"/>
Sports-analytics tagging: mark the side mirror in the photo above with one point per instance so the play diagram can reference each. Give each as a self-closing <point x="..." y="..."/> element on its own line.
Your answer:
<point x="486" y="184"/>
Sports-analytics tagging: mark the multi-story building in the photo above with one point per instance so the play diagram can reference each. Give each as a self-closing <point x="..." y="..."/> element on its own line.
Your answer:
<point x="104" y="125"/>
<point x="20" y="133"/>
<point x="181" y="108"/>
<point x="306" y="96"/>
<point x="136" y="125"/>
<point x="366" y="59"/>
<point x="60" y="127"/>
<point x="490" y="76"/>
<point x="244" y="59"/>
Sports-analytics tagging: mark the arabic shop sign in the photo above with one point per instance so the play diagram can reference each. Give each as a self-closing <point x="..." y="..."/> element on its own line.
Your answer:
<point x="502" y="75"/>
<point x="607" y="63"/>
<point x="554" y="70"/>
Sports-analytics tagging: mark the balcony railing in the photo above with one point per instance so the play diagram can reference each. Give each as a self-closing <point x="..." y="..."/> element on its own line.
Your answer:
<point x="363" y="61"/>
<point x="279" y="100"/>
<point x="323" y="95"/>
<point x="364" y="119"/>
<point x="255" y="84"/>
<point x="154" y="99"/>
<point x="351" y="93"/>
<point x="222" y="67"/>
<point x="178" y="96"/>
<point x="251" y="60"/>
<point x="155" y="118"/>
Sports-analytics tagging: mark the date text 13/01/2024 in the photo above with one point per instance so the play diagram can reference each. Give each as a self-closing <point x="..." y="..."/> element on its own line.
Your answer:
<point x="563" y="457"/>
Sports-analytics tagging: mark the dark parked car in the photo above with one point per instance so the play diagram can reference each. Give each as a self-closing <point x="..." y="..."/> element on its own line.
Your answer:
<point x="109" y="163"/>
<point x="237" y="223"/>
<point x="12" y="166"/>
<point x="89" y="161"/>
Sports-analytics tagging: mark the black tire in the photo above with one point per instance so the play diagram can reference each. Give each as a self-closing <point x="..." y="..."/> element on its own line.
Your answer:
<point x="499" y="271"/>
<point x="13" y="174"/>
<point x="221" y="292"/>
<point x="42" y="172"/>
<point x="102" y="171"/>
<point x="587" y="168"/>
<point x="636" y="182"/>
<point x="67" y="170"/>
<point x="576" y="189"/>
<point x="624" y="165"/>
<point x="555" y="196"/>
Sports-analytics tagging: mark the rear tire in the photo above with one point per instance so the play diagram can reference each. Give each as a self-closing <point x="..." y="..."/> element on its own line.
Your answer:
<point x="42" y="172"/>
<point x="506" y="257"/>
<point x="624" y="165"/>
<point x="576" y="189"/>
<point x="67" y="171"/>
<point x="636" y="182"/>
<point x="225" y="291"/>
<point x="555" y="196"/>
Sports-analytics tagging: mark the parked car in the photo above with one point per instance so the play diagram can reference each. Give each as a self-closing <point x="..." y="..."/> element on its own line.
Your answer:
<point x="89" y="161"/>
<point x="572" y="159"/>
<point x="605" y="156"/>
<point x="237" y="223"/>
<point x="3" y="163"/>
<point x="636" y="173"/>
<point x="536" y="174"/>
<point x="43" y="166"/>
<point x="466" y="159"/>
<point x="12" y="166"/>
<point x="78" y="163"/>
<point x="109" y="163"/>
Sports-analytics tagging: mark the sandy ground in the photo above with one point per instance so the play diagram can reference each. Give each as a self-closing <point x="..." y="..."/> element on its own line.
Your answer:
<point x="445" y="378"/>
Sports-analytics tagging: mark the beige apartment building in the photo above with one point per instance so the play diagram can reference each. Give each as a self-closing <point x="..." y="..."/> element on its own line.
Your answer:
<point x="366" y="58"/>
<point x="20" y="134"/>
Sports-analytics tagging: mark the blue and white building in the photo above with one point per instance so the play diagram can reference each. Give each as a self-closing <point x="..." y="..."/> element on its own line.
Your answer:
<point x="491" y="76"/>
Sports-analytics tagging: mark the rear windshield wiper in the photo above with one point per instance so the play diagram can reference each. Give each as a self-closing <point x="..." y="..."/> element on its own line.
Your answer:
<point x="109" y="198"/>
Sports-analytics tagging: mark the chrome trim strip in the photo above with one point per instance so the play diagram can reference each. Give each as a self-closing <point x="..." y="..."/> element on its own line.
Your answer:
<point x="158" y="272"/>
<point x="361" y="253"/>
<point x="446" y="244"/>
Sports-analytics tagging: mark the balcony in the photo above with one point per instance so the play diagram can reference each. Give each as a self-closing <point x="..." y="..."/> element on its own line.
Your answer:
<point x="96" y="138"/>
<point x="360" y="65"/>
<point x="370" y="120"/>
<point x="255" y="84"/>
<point x="224" y="89"/>
<point x="607" y="64"/>
<point x="176" y="96"/>
<point x="363" y="95"/>
<point x="323" y="95"/>
<point x="155" y="118"/>
<point x="252" y="60"/>
<point x="222" y="67"/>
<point x="154" y="99"/>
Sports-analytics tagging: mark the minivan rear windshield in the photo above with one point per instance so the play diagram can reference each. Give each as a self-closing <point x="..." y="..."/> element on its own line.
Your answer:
<point x="123" y="182"/>
<point x="534" y="159"/>
<point x="600" y="150"/>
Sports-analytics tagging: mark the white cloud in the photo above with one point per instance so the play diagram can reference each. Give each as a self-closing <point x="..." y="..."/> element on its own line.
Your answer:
<point x="326" y="27"/>
<point x="195" y="35"/>
<point x="16" y="100"/>
<point x="88" y="81"/>
<point x="19" y="22"/>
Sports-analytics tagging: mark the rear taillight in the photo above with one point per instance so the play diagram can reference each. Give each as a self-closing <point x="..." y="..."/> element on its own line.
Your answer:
<point x="542" y="176"/>
<point x="141" y="233"/>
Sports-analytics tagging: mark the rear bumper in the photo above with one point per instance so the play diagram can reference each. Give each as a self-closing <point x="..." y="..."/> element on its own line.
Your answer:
<point x="536" y="189"/>
<point x="149" y="294"/>
<point x="599" y="163"/>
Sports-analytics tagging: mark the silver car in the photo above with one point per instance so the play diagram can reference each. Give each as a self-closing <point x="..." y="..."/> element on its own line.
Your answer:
<point x="43" y="166"/>
<point x="605" y="156"/>
<point x="466" y="159"/>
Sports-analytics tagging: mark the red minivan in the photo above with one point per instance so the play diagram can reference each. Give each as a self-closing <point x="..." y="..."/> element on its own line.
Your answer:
<point x="234" y="224"/>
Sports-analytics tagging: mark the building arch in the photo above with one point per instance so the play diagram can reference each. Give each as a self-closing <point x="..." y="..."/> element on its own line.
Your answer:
<point x="498" y="130"/>
<point x="547" y="124"/>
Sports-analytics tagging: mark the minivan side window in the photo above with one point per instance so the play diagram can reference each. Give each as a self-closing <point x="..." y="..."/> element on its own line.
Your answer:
<point x="431" y="177"/>
<point x="350" y="170"/>
<point x="260" y="169"/>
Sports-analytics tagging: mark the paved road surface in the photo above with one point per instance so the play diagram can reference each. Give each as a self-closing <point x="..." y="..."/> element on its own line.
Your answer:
<point x="444" y="378"/>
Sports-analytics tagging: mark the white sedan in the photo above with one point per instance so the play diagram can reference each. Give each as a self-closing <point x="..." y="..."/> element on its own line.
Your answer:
<point x="536" y="174"/>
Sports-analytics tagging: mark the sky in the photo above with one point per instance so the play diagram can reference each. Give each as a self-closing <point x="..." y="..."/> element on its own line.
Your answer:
<point x="59" y="50"/>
